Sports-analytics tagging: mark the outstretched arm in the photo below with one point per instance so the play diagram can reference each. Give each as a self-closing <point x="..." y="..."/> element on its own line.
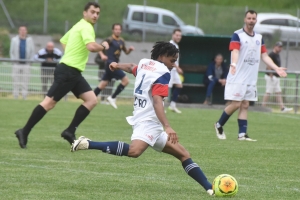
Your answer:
<point x="160" y="113"/>
<point x="269" y="62"/>
<point x="127" y="67"/>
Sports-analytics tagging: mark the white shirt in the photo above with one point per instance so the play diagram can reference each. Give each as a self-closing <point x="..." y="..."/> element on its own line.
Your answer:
<point x="152" y="78"/>
<point x="250" y="50"/>
<point x="177" y="62"/>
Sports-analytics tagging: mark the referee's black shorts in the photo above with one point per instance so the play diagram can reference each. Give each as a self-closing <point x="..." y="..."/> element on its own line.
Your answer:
<point x="67" y="79"/>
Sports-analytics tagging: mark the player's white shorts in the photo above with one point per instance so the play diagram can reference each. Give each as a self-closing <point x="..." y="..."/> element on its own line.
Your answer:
<point x="272" y="84"/>
<point x="150" y="132"/>
<point x="240" y="92"/>
<point x="175" y="79"/>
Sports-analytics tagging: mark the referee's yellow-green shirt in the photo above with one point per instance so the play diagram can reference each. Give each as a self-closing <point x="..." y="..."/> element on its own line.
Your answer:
<point x="76" y="54"/>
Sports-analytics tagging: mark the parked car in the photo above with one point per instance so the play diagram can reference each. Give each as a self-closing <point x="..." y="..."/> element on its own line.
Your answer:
<point x="287" y="25"/>
<point x="157" y="20"/>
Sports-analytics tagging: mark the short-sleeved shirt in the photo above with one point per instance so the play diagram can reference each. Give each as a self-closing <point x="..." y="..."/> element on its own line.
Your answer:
<point x="116" y="45"/>
<point x="276" y="59"/>
<point x="250" y="49"/>
<point x="76" y="39"/>
<point x="152" y="78"/>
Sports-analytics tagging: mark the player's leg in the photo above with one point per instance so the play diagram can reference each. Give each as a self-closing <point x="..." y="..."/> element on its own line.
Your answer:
<point x="191" y="168"/>
<point x="83" y="91"/>
<point x="118" y="148"/>
<point x="176" y="83"/>
<point x="251" y="95"/>
<point x="269" y="89"/>
<point x="118" y="75"/>
<point x="104" y="81"/>
<point x="235" y="93"/>
<point x="58" y="89"/>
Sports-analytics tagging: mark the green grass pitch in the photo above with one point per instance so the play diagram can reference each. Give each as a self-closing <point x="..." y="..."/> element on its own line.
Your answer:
<point x="266" y="169"/>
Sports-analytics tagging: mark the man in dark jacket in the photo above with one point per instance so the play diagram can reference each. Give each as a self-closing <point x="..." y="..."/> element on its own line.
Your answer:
<point x="215" y="75"/>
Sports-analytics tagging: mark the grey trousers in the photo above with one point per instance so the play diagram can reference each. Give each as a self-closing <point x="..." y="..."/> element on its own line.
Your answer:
<point x="20" y="76"/>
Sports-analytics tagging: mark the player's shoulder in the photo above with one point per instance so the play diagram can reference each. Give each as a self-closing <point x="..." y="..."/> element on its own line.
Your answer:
<point x="239" y="31"/>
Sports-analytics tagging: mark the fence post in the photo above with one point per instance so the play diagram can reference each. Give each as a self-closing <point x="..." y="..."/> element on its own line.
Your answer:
<point x="7" y="14"/>
<point x="297" y="35"/>
<point x="197" y="15"/>
<point x="45" y="15"/>
<point x="296" y="93"/>
<point x="286" y="66"/>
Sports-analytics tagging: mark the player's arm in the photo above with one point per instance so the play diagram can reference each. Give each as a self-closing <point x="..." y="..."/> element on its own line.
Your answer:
<point x="95" y="47"/>
<point x="127" y="51"/>
<point x="269" y="62"/>
<point x="179" y="70"/>
<point x="234" y="59"/>
<point x="160" y="113"/>
<point x="127" y="67"/>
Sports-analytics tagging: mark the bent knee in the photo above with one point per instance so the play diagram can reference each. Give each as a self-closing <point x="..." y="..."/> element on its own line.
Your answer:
<point x="134" y="153"/>
<point x="245" y="105"/>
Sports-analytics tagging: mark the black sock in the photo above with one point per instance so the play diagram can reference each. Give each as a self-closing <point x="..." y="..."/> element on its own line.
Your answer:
<point x="80" y="115"/>
<point x="118" y="91"/>
<point x="97" y="91"/>
<point x="36" y="115"/>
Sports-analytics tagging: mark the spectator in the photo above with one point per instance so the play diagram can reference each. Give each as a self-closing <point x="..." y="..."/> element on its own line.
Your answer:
<point x="21" y="48"/>
<point x="273" y="79"/>
<point x="215" y="76"/>
<point x="49" y="57"/>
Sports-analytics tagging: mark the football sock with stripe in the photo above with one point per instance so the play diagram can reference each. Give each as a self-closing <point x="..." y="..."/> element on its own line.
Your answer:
<point x="242" y="125"/>
<point x="97" y="91"/>
<point x="119" y="89"/>
<point x="194" y="171"/>
<point x="223" y="119"/>
<point x="117" y="148"/>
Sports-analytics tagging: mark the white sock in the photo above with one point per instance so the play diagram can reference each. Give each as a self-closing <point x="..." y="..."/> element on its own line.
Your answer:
<point x="173" y="104"/>
<point x="242" y="134"/>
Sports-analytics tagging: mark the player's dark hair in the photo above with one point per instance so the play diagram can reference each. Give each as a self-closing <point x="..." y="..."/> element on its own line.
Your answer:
<point x="89" y="4"/>
<point x="251" y="12"/>
<point x="116" y="24"/>
<point x="163" y="48"/>
<point x="176" y="29"/>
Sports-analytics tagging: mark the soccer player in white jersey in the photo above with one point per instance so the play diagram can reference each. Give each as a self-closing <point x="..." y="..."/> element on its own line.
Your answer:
<point x="247" y="47"/>
<point x="175" y="83"/>
<point x="149" y="122"/>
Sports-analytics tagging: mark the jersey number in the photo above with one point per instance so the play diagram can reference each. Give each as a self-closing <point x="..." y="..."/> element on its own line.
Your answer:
<point x="138" y="89"/>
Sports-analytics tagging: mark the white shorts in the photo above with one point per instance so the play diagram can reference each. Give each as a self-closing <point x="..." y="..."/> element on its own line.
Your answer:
<point x="272" y="84"/>
<point x="175" y="78"/>
<point x="150" y="132"/>
<point x="240" y="92"/>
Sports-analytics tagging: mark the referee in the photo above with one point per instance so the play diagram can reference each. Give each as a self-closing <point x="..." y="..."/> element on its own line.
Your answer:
<point x="77" y="42"/>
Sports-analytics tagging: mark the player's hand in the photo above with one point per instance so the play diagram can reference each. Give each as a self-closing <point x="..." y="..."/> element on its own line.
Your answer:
<point x="113" y="66"/>
<point x="179" y="70"/>
<point x="104" y="57"/>
<point x="131" y="48"/>
<point x="232" y="69"/>
<point x="105" y="44"/>
<point x="281" y="71"/>
<point x="172" y="136"/>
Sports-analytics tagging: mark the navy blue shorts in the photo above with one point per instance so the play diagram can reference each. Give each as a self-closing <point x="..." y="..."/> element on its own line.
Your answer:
<point x="108" y="75"/>
<point x="67" y="79"/>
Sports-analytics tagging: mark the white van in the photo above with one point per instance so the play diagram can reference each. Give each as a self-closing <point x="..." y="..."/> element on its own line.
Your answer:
<point x="157" y="20"/>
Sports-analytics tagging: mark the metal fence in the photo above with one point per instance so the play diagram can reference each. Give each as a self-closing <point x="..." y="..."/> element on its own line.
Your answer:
<point x="35" y="83"/>
<point x="39" y="80"/>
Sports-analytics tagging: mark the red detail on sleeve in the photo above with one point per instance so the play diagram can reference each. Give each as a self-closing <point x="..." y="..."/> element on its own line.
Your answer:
<point x="134" y="70"/>
<point x="161" y="90"/>
<point x="234" y="45"/>
<point x="263" y="49"/>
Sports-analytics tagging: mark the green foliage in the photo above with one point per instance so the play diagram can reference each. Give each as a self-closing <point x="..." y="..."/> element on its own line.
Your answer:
<point x="266" y="169"/>
<point x="4" y="43"/>
<point x="215" y="17"/>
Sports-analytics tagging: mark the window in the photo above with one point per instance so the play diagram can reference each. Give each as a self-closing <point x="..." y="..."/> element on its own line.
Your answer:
<point x="169" y="21"/>
<point x="293" y="23"/>
<point x="137" y="16"/>
<point x="150" y="17"/>
<point x="276" y="22"/>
